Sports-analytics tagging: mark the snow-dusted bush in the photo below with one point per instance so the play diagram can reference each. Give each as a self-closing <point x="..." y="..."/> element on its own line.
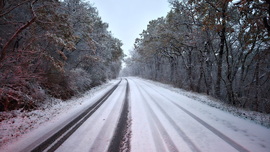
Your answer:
<point x="79" y="80"/>
<point x="20" y="75"/>
<point x="57" y="85"/>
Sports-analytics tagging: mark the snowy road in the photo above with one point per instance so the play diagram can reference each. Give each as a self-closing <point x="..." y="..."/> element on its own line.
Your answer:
<point x="98" y="131"/>
<point x="163" y="120"/>
<point x="95" y="126"/>
<point x="140" y="116"/>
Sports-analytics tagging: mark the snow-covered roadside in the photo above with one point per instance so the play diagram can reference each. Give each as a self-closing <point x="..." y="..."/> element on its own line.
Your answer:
<point x="14" y="124"/>
<point x="256" y="117"/>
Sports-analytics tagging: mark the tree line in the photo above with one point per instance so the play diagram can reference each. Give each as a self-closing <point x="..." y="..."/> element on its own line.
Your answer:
<point x="53" y="48"/>
<point x="217" y="47"/>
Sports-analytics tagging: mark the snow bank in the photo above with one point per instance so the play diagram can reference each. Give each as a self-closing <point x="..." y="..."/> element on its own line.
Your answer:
<point x="16" y="123"/>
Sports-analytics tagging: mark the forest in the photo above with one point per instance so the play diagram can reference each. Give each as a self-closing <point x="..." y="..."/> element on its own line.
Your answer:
<point x="216" y="47"/>
<point x="53" y="49"/>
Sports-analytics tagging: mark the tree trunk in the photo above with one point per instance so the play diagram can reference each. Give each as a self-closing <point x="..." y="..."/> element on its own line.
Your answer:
<point x="255" y="104"/>
<point x="172" y="70"/>
<point x="189" y="70"/>
<point x="221" y="52"/>
<point x="2" y="4"/>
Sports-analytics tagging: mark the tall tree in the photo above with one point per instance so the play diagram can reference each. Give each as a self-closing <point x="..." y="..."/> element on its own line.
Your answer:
<point x="217" y="47"/>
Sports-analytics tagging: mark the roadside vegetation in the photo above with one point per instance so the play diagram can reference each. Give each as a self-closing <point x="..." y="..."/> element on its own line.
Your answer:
<point x="53" y="49"/>
<point x="220" y="48"/>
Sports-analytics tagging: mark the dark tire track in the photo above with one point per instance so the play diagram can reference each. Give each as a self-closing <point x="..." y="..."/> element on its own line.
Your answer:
<point x="118" y="142"/>
<point x="55" y="140"/>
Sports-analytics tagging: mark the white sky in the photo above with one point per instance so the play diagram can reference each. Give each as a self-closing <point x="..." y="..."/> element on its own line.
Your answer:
<point x="128" y="18"/>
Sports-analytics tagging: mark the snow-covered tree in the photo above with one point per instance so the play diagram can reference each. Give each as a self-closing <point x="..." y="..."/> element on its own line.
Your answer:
<point x="53" y="48"/>
<point x="217" y="47"/>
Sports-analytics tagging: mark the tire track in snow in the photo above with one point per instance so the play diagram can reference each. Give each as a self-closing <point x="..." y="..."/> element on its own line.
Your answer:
<point x="206" y="125"/>
<point x="156" y="138"/>
<point x="157" y="126"/>
<point x="111" y="121"/>
<point x="180" y="132"/>
<point x="170" y="144"/>
<point x="215" y="131"/>
<point x="122" y="131"/>
<point x="57" y="138"/>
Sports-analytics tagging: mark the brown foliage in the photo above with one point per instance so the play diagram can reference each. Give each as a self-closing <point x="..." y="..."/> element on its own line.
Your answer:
<point x="19" y="75"/>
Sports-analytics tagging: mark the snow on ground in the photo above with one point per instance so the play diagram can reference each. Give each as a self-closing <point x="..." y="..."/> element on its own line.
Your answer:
<point x="157" y="121"/>
<point x="164" y="120"/>
<point x="14" y="124"/>
<point x="257" y="117"/>
<point x="96" y="133"/>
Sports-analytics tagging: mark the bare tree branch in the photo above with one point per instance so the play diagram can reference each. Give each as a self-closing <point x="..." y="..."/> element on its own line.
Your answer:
<point x="8" y="11"/>
<point x="3" y="52"/>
